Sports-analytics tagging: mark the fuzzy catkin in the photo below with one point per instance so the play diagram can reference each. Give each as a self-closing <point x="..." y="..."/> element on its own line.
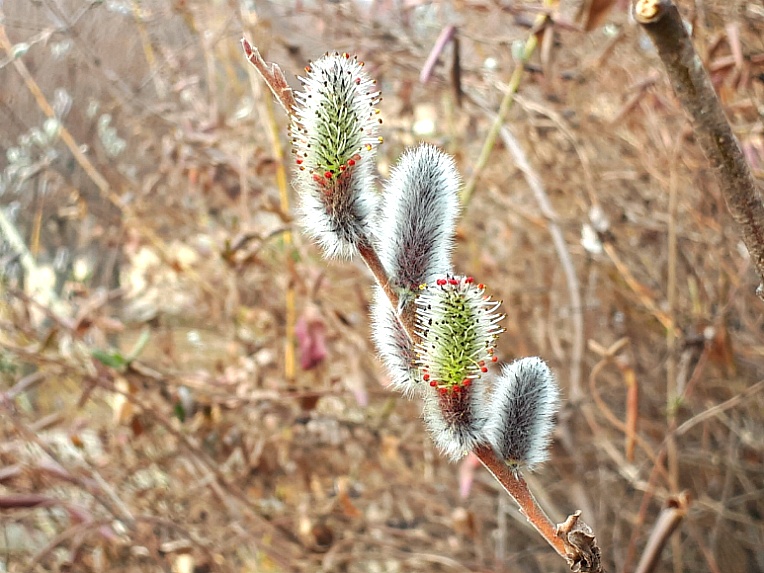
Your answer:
<point x="334" y="136"/>
<point x="418" y="217"/>
<point x="458" y="326"/>
<point x="521" y="412"/>
<point x="393" y="345"/>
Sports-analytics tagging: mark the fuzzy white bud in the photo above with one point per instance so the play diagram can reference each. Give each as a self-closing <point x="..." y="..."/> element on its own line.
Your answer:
<point x="394" y="346"/>
<point x="334" y="131"/>
<point x="521" y="413"/>
<point x="418" y="217"/>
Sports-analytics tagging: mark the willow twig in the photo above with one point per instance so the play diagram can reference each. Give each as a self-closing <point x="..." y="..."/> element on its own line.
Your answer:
<point x="573" y="540"/>
<point x="692" y="85"/>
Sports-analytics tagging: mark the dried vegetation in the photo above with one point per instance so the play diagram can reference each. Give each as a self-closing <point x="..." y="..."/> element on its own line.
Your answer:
<point x="187" y="386"/>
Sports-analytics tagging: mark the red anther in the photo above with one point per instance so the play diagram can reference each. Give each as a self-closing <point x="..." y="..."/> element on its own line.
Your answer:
<point x="307" y="69"/>
<point x="469" y="280"/>
<point x="345" y="55"/>
<point x="328" y="174"/>
<point x="443" y="390"/>
<point x="441" y="282"/>
<point x="317" y="178"/>
<point x="426" y="377"/>
<point x="453" y="281"/>
<point x="298" y="161"/>
<point x="481" y="286"/>
<point x="482" y="363"/>
<point x="456" y="389"/>
<point x="466" y="382"/>
<point x="343" y="167"/>
<point x="494" y="358"/>
<point x="358" y="81"/>
<point x="433" y="383"/>
<point x="484" y="369"/>
<point x="351" y="162"/>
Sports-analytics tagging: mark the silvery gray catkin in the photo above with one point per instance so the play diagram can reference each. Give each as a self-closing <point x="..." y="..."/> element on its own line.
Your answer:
<point x="521" y="412"/>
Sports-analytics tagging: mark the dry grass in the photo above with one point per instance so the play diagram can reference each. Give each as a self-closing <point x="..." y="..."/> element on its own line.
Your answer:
<point x="213" y="450"/>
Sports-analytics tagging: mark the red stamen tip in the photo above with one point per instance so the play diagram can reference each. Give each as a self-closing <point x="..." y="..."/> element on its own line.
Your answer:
<point x="469" y="280"/>
<point x="433" y="383"/>
<point x="481" y="286"/>
<point x="328" y="174"/>
<point x="494" y="358"/>
<point x="426" y="377"/>
<point x="351" y="162"/>
<point x="441" y="282"/>
<point x="484" y="369"/>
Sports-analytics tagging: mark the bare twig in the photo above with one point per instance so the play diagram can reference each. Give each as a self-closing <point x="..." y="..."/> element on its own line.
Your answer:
<point x="662" y="22"/>
<point x="506" y="104"/>
<point x="667" y="523"/>
<point x="719" y="408"/>
<point x="440" y="44"/>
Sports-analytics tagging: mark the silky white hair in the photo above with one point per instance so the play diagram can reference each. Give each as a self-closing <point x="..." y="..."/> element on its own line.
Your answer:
<point x="521" y="412"/>
<point x="417" y="217"/>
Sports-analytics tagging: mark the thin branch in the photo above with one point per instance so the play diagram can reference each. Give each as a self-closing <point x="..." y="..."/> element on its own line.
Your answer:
<point x="506" y="104"/>
<point x="692" y="85"/>
<point x="573" y="540"/>
<point x="667" y="523"/>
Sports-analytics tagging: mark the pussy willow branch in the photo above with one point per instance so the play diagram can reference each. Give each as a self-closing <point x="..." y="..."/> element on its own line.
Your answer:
<point x="573" y="539"/>
<point x="662" y="22"/>
<point x="517" y="488"/>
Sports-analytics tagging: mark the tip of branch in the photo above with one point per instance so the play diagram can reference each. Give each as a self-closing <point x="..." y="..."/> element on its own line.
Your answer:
<point x="647" y="11"/>
<point x="581" y="547"/>
<point x="247" y="47"/>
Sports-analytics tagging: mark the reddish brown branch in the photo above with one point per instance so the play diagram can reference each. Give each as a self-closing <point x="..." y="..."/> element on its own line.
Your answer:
<point x="692" y="85"/>
<point x="272" y="75"/>
<point x="573" y="539"/>
<point x="408" y="317"/>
